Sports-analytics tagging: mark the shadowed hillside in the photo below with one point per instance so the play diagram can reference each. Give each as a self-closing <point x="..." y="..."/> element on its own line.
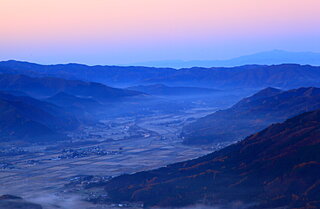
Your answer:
<point x="25" y="118"/>
<point x="251" y="114"/>
<point x="277" y="167"/>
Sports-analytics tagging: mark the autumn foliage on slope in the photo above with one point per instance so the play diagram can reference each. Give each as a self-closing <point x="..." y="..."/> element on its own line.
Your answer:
<point x="277" y="167"/>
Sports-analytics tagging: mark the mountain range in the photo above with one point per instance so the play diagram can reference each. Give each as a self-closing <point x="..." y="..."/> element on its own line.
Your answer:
<point x="263" y="58"/>
<point x="251" y="114"/>
<point x="49" y="86"/>
<point x="109" y="75"/>
<point x="248" y="76"/>
<point x="41" y="109"/>
<point x="276" y="168"/>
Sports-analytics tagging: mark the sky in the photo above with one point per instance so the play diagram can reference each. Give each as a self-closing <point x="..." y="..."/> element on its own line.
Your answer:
<point x="132" y="31"/>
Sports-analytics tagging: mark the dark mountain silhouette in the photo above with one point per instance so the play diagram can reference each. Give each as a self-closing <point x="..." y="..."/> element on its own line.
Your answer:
<point x="49" y="86"/>
<point x="28" y="119"/>
<point x="276" y="168"/>
<point x="163" y="90"/>
<point x="247" y="76"/>
<point x="262" y="58"/>
<point x="251" y="114"/>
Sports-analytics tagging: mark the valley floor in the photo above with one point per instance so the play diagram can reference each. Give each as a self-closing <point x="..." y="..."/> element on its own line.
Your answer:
<point x="113" y="147"/>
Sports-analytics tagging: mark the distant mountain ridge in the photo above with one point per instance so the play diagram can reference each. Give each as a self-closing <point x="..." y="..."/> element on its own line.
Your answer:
<point x="251" y="114"/>
<point x="108" y="75"/>
<point x="160" y="89"/>
<point x="247" y="76"/>
<point x="250" y="76"/>
<point x="273" y="57"/>
<point x="49" y="86"/>
<point x="275" y="168"/>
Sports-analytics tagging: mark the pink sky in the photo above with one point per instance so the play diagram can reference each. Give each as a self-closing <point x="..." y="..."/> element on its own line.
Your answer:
<point x="124" y="31"/>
